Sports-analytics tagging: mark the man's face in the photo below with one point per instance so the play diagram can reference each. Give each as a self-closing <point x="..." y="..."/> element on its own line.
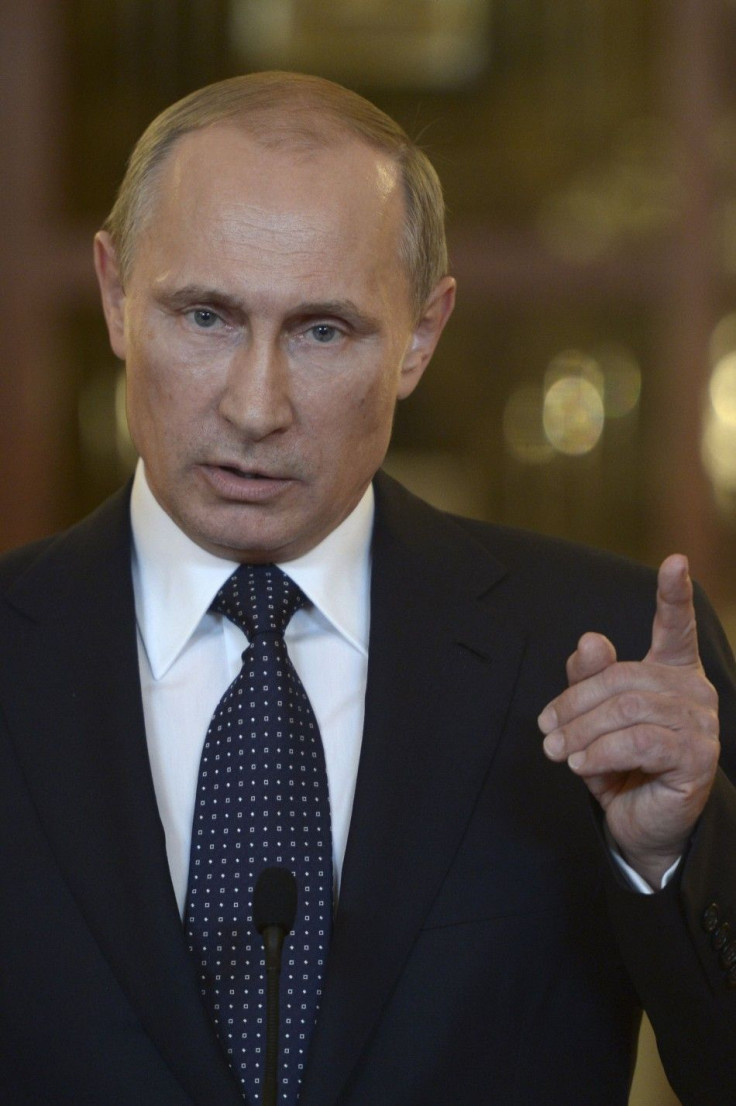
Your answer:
<point x="267" y="331"/>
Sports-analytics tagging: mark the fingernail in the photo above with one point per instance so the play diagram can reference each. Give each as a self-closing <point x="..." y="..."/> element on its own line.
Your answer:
<point x="554" y="745"/>
<point x="576" y="761"/>
<point x="547" y="720"/>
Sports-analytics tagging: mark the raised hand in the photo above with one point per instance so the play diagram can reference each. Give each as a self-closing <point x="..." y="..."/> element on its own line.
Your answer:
<point x="643" y="735"/>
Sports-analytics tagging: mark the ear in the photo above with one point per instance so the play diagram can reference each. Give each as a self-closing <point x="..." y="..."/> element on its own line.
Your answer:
<point x="111" y="290"/>
<point x="437" y="311"/>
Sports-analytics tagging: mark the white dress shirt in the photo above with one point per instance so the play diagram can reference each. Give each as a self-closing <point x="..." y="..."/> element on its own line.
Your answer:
<point x="188" y="657"/>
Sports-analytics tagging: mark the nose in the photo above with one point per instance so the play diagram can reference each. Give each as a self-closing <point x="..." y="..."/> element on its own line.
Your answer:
<point x="257" y="395"/>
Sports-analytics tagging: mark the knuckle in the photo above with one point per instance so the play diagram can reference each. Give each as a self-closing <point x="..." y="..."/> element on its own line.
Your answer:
<point x="711" y="726"/>
<point x="649" y="744"/>
<point x="711" y="696"/>
<point x="632" y="707"/>
<point x="708" y="751"/>
<point x="696" y="721"/>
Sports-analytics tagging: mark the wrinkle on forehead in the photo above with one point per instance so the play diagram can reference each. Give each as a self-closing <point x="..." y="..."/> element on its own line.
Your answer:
<point x="241" y="221"/>
<point x="236" y="221"/>
<point x="227" y="201"/>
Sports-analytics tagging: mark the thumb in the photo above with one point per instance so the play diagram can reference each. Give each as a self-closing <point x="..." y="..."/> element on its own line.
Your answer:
<point x="674" y="631"/>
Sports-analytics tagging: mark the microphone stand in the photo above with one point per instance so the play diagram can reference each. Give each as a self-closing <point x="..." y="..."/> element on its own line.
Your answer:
<point x="274" y="910"/>
<point x="273" y="940"/>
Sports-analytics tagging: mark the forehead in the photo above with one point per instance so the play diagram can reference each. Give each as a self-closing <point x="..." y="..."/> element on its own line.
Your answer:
<point x="222" y="191"/>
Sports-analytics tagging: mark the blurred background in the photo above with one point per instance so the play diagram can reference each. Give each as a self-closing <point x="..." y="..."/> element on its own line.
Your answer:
<point x="587" y="384"/>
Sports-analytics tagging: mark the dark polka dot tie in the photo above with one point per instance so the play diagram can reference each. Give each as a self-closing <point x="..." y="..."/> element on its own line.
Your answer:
<point x="262" y="800"/>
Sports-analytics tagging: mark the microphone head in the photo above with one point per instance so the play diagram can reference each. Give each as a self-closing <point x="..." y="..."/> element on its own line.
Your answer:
<point x="274" y="899"/>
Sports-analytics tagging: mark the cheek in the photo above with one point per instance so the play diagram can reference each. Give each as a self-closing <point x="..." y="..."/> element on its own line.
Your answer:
<point x="148" y="396"/>
<point x="362" y="430"/>
<point x="375" y="404"/>
<point x="161" y="410"/>
<point x="351" y="417"/>
<point x="163" y="386"/>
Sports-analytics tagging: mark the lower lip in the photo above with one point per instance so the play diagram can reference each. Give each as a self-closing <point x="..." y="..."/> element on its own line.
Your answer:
<point x="230" y="485"/>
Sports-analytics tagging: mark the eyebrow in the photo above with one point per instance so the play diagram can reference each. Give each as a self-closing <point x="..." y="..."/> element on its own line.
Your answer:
<point x="198" y="293"/>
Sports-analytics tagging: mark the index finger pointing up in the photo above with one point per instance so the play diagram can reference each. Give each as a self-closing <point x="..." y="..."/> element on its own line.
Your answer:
<point x="674" y="633"/>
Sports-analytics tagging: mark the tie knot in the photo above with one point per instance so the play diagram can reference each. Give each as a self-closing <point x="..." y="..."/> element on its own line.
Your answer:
<point x="260" y="599"/>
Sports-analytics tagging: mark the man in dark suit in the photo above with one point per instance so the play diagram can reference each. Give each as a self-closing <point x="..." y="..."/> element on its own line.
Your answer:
<point x="274" y="276"/>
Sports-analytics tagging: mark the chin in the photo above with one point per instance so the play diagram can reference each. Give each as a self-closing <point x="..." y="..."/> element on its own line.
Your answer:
<point x="239" y="547"/>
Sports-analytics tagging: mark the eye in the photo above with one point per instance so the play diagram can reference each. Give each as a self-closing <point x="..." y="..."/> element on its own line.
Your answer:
<point x="203" y="318"/>
<point x="324" y="332"/>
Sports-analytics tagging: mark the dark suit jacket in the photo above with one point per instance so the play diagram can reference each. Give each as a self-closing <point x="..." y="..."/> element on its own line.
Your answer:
<point x="484" y="949"/>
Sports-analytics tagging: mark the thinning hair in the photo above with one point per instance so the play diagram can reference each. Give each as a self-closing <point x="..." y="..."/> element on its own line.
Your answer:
<point x="291" y="109"/>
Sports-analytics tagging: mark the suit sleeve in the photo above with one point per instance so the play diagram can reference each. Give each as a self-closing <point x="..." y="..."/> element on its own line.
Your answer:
<point x="679" y="945"/>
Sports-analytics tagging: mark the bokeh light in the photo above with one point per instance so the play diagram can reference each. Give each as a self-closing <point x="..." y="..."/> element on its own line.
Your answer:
<point x="718" y="442"/>
<point x="567" y="413"/>
<point x="722" y="390"/>
<point x="573" y="415"/>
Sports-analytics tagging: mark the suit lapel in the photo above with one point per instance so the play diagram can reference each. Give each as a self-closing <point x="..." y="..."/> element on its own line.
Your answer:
<point x="430" y="732"/>
<point x="79" y="731"/>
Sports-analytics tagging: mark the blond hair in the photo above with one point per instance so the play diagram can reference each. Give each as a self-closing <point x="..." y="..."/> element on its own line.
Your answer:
<point x="291" y="108"/>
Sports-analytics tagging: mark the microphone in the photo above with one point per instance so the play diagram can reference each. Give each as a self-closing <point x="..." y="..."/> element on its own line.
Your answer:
<point x="274" y="911"/>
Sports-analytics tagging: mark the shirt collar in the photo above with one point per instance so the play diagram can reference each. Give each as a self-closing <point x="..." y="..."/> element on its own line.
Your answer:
<point x="175" y="580"/>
